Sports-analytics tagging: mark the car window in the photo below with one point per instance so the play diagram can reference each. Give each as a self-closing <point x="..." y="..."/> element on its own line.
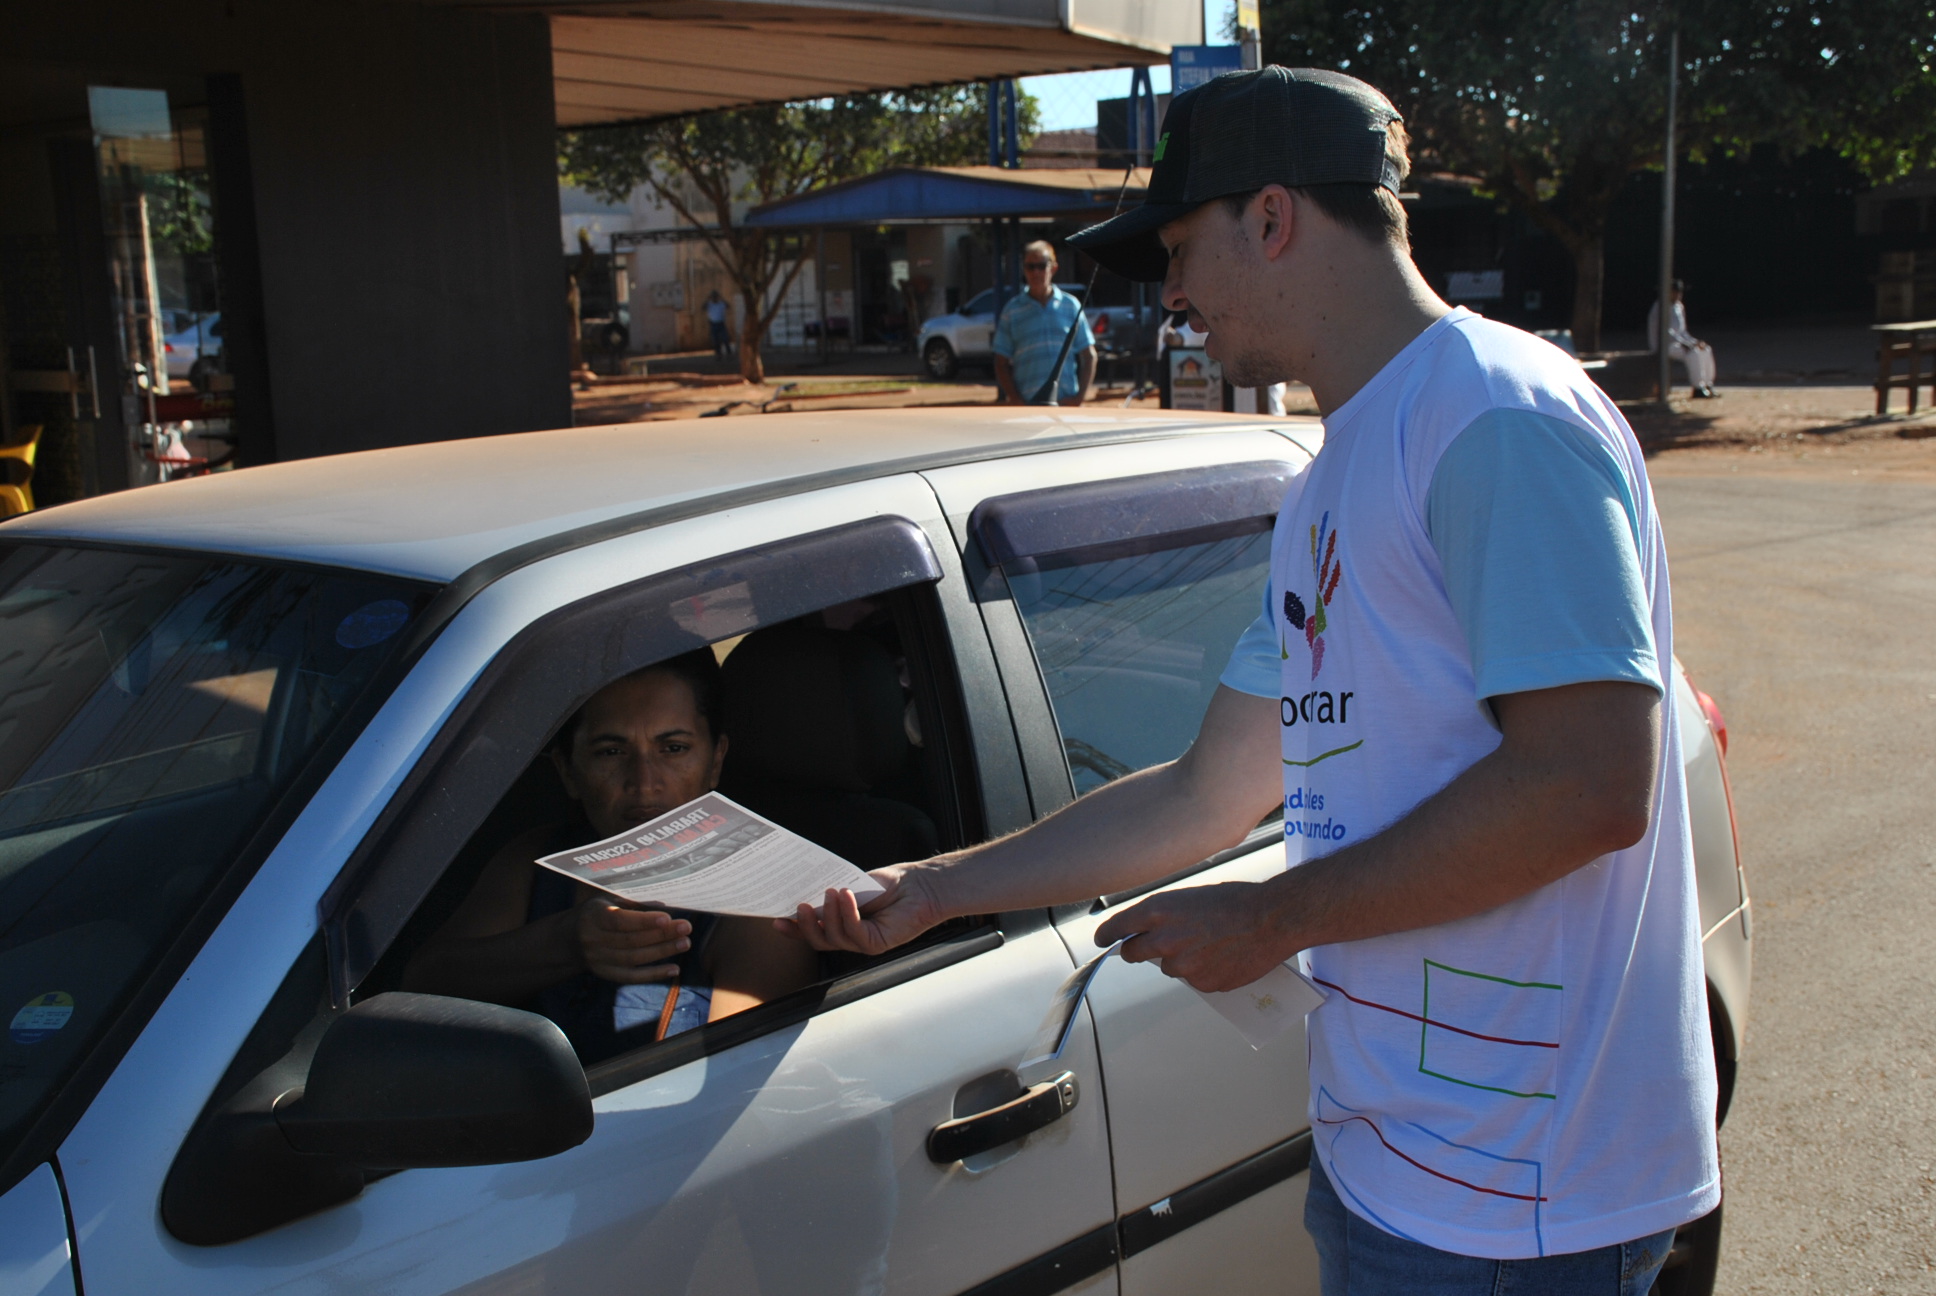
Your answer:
<point x="842" y="722"/>
<point x="152" y="709"/>
<point x="980" y="304"/>
<point x="824" y="729"/>
<point x="1132" y="592"/>
<point x="1131" y="646"/>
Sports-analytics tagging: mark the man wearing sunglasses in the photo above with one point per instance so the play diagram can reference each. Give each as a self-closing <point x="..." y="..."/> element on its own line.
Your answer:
<point x="1030" y="333"/>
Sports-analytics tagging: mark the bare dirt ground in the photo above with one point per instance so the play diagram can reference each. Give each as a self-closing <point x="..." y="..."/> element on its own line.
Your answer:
<point x="673" y="396"/>
<point x="1802" y="538"/>
<point x="1790" y="421"/>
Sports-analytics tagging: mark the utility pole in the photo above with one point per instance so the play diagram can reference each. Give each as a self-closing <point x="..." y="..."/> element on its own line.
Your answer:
<point x="1004" y="150"/>
<point x="1250" y="34"/>
<point x="1666" y="305"/>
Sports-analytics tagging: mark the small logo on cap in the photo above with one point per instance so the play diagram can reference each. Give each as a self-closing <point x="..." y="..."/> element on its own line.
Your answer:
<point x="1162" y="142"/>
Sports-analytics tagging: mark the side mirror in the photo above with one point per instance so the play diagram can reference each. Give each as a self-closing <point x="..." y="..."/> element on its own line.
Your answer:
<point x="412" y="1081"/>
<point x="403" y="1081"/>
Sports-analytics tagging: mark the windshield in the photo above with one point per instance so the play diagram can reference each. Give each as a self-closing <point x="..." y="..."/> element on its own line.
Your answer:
<point x="152" y="708"/>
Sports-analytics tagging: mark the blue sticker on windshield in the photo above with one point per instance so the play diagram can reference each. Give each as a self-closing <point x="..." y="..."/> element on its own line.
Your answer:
<point x="41" y="1016"/>
<point x="372" y="623"/>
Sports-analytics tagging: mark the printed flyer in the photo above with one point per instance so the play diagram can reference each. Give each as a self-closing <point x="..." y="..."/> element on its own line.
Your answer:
<point x="713" y="855"/>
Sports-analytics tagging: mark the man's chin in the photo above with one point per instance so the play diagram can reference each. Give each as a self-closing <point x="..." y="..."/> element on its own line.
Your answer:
<point x="1238" y="375"/>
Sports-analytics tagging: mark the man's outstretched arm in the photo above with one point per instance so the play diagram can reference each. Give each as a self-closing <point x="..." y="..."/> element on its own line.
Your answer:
<point x="1137" y="829"/>
<point x="1572" y="779"/>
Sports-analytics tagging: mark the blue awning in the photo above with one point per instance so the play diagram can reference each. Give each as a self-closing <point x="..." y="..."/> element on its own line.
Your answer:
<point x="954" y="193"/>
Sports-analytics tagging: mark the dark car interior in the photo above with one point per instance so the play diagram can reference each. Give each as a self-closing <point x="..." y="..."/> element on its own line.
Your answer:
<point x="828" y="729"/>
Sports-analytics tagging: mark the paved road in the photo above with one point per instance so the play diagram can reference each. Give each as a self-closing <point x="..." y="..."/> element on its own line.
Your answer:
<point x="1805" y="602"/>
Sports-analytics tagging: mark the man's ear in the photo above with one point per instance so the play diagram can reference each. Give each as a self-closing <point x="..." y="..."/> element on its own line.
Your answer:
<point x="719" y="760"/>
<point x="1277" y="211"/>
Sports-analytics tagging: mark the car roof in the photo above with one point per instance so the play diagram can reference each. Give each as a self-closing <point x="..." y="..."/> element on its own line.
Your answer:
<point x="433" y="511"/>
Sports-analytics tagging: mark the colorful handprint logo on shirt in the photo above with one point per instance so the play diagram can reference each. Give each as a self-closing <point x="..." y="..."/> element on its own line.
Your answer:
<point x="1326" y="569"/>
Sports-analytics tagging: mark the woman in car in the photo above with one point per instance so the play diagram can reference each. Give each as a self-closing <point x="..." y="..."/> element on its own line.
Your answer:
<point x="613" y="974"/>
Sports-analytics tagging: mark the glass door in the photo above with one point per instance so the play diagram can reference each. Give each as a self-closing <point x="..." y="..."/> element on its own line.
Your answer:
<point x="170" y="373"/>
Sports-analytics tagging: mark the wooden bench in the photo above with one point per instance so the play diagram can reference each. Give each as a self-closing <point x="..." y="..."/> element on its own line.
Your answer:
<point x="1909" y="341"/>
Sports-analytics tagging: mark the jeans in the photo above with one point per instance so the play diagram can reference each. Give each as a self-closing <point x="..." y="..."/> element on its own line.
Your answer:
<point x="1357" y="1258"/>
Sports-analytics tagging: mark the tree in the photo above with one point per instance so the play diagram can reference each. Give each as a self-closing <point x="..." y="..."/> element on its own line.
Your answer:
<point x="705" y="167"/>
<point x="1552" y="104"/>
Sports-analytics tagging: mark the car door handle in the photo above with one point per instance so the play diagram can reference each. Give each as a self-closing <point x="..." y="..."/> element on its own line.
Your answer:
<point x="1040" y="1105"/>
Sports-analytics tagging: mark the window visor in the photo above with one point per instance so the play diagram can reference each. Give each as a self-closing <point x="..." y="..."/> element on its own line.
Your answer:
<point x="1064" y="525"/>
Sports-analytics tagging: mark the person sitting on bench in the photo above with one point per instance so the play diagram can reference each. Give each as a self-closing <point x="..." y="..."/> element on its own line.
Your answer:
<point x="1683" y="346"/>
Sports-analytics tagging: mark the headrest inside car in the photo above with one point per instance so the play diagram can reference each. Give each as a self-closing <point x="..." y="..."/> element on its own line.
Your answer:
<point x="815" y="708"/>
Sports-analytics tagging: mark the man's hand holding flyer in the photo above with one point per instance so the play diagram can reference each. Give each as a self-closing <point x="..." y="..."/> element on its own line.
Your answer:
<point x="713" y="855"/>
<point x="1261" y="1011"/>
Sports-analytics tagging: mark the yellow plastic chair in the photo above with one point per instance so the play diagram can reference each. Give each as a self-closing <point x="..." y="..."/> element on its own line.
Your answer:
<point x="18" y="496"/>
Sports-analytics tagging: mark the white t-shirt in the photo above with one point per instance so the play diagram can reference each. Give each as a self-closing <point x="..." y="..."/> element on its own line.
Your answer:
<point x="1537" y="1079"/>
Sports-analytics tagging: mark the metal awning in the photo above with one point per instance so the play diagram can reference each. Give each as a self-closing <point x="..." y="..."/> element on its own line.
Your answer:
<point x="955" y="193"/>
<point x="640" y="59"/>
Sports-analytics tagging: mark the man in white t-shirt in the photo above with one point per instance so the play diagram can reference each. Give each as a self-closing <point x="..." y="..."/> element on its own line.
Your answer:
<point x="1457" y="693"/>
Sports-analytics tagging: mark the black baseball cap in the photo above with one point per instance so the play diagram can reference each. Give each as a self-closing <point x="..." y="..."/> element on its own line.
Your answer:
<point x="1237" y="133"/>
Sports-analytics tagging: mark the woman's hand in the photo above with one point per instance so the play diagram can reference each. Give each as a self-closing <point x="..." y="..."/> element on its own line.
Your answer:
<point x="628" y="945"/>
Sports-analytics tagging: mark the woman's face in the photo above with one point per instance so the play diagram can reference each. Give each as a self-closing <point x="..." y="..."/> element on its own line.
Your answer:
<point x="641" y="748"/>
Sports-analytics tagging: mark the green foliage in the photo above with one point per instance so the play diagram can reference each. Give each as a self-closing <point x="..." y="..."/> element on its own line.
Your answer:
<point x="179" y="215"/>
<point x="708" y="168"/>
<point x="1553" y="103"/>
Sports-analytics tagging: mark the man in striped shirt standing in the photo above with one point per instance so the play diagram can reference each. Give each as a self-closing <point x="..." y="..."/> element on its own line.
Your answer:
<point x="1029" y="336"/>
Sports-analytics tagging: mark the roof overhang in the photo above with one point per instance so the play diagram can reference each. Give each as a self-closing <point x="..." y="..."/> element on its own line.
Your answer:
<point x="955" y="193"/>
<point x="634" y="60"/>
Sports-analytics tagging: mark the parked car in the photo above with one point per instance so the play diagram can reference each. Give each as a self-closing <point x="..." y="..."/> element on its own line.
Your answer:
<point x="967" y="336"/>
<point x="194" y="350"/>
<point x="262" y="730"/>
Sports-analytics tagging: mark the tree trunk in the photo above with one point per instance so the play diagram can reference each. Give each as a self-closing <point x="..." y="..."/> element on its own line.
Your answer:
<point x="1589" y="281"/>
<point x="751" y="367"/>
<point x="1583" y="235"/>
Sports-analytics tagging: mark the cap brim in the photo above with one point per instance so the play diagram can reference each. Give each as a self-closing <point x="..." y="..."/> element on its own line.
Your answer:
<point x="1127" y="244"/>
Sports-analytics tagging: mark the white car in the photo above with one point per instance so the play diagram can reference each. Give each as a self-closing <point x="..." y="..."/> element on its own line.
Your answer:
<point x="967" y="336"/>
<point x="194" y="349"/>
<point x="261" y="729"/>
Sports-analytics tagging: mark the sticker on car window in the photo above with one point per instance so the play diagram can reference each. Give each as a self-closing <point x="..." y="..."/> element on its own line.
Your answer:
<point x="41" y="1016"/>
<point x="372" y="623"/>
<point x="718" y="613"/>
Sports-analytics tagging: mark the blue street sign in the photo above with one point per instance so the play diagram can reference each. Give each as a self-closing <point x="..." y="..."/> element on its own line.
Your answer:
<point x="1192" y="65"/>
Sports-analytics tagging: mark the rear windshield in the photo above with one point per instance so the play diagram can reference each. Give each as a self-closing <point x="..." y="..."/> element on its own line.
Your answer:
<point x="152" y="708"/>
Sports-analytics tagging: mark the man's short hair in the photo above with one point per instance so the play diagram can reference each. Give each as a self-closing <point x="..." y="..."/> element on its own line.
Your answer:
<point x="1372" y="211"/>
<point x="1041" y="245"/>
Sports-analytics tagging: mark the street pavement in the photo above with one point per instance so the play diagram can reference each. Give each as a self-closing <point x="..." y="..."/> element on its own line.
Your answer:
<point x="1804" y="587"/>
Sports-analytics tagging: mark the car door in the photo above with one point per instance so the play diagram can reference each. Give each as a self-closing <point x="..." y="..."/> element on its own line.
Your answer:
<point x="1114" y="582"/>
<point x="784" y="1150"/>
<point x="975" y="335"/>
